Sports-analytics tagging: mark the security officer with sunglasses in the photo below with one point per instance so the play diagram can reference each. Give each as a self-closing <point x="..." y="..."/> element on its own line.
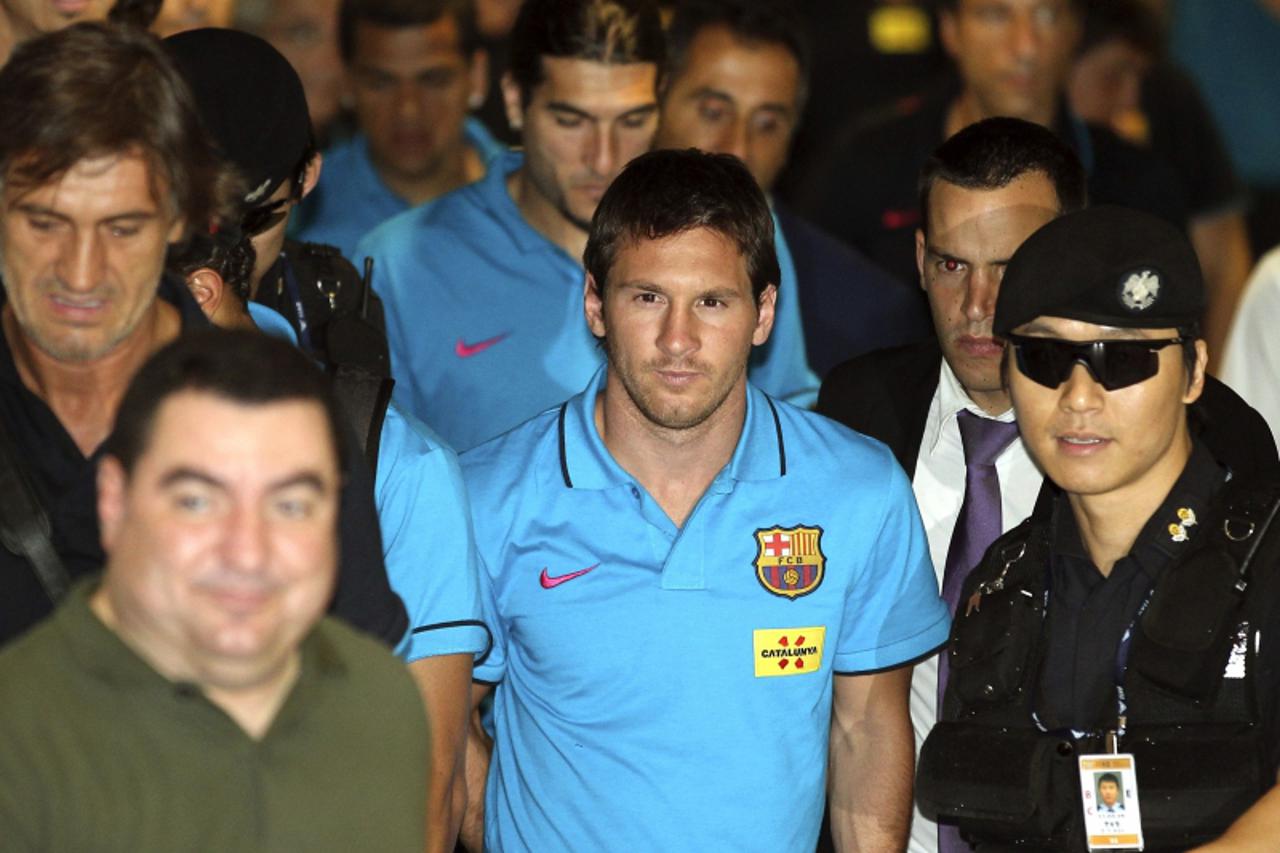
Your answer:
<point x="1124" y="629"/>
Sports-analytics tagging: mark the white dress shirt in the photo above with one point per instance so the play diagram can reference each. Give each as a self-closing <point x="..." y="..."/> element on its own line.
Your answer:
<point x="939" y="488"/>
<point x="1251" y="360"/>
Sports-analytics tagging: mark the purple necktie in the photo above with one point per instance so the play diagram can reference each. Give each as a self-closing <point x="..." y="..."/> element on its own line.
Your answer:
<point x="977" y="526"/>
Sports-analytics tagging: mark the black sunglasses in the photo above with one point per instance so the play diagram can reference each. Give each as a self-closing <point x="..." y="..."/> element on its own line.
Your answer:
<point x="1113" y="364"/>
<point x="264" y="216"/>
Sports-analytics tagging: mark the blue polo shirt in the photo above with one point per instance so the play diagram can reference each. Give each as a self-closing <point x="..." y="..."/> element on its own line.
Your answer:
<point x="485" y="320"/>
<point x="351" y="199"/>
<point x="427" y="541"/>
<point x="670" y="689"/>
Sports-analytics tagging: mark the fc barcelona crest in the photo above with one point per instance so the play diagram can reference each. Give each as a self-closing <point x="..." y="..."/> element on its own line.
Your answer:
<point x="789" y="560"/>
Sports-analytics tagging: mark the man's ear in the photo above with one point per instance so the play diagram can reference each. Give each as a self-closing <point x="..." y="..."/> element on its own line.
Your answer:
<point x="947" y="31"/>
<point x="208" y="288"/>
<point x="920" y="256"/>
<point x="765" y="308"/>
<point x="1195" y="382"/>
<point x="478" y="79"/>
<point x="111" y="481"/>
<point x="312" y="176"/>
<point x="512" y="101"/>
<point x="593" y="307"/>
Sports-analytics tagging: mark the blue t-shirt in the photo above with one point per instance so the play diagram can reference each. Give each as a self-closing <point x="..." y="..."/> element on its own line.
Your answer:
<point x="663" y="688"/>
<point x="427" y="542"/>
<point x="351" y="200"/>
<point x="485" y="318"/>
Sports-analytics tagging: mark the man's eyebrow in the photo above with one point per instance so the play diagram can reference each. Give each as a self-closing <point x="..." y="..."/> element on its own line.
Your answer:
<point x="33" y="209"/>
<point x="711" y="92"/>
<point x="943" y="255"/>
<point x="562" y="107"/>
<point x="306" y="479"/>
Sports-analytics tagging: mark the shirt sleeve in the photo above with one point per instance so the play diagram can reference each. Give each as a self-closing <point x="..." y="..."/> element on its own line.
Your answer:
<point x="493" y="667"/>
<point x="893" y="613"/>
<point x="780" y="366"/>
<point x="428" y="541"/>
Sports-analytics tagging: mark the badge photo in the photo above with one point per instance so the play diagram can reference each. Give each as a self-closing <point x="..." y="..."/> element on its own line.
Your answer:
<point x="789" y="560"/>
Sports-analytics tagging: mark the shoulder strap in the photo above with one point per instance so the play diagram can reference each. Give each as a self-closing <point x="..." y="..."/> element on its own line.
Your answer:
<point x="364" y="396"/>
<point x="25" y="529"/>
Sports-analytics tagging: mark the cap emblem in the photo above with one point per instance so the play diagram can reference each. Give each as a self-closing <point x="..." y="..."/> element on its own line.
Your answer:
<point x="1140" y="289"/>
<point x="258" y="192"/>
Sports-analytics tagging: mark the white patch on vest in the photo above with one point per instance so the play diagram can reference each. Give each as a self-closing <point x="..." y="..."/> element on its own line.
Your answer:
<point x="1140" y="290"/>
<point x="1239" y="653"/>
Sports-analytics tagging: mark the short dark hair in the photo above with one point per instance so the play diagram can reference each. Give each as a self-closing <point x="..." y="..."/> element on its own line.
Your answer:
<point x="227" y="251"/>
<point x="1132" y="21"/>
<point x="245" y="367"/>
<point x="615" y="32"/>
<point x="753" y="21"/>
<point x="994" y="152"/>
<point x="1109" y="777"/>
<point x="950" y="5"/>
<point x="668" y="192"/>
<point x="95" y="89"/>
<point x="398" y="14"/>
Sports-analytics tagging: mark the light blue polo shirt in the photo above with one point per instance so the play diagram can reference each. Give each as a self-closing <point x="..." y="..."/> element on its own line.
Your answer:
<point x="670" y="689"/>
<point x="485" y="320"/>
<point x="427" y="541"/>
<point x="351" y="199"/>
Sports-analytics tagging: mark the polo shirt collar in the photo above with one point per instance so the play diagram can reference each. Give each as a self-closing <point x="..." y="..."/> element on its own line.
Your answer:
<point x="102" y="654"/>
<point x="493" y="188"/>
<point x="585" y="462"/>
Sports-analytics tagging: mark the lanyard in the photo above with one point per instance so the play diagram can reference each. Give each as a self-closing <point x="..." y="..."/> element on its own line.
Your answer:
<point x="295" y="295"/>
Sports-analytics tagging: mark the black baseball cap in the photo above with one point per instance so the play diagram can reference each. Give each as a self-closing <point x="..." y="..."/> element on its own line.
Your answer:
<point x="1106" y="265"/>
<point x="251" y="101"/>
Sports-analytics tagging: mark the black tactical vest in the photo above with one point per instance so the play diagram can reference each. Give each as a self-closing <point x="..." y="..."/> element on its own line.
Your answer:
<point x="1202" y="756"/>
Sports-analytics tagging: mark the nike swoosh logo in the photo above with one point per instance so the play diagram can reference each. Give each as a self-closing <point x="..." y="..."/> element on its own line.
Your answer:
<point x="465" y="350"/>
<point x="548" y="582"/>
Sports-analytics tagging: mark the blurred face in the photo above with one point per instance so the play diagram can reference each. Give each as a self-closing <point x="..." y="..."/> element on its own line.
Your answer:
<point x="1013" y="55"/>
<point x="1129" y="443"/>
<point x="679" y="322"/>
<point x="1108" y="792"/>
<point x="584" y="122"/>
<point x="972" y="235"/>
<point x="30" y="17"/>
<point x="411" y="86"/>
<point x="306" y="32"/>
<point x="1106" y="83"/>
<point x="222" y="542"/>
<point x="177" y="16"/>
<point x="734" y="97"/>
<point x="82" y="255"/>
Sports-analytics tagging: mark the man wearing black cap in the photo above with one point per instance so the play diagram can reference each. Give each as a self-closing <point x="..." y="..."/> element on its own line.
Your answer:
<point x="1120" y="630"/>
<point x="268" y="138"/>
<point x="427" y="539"/>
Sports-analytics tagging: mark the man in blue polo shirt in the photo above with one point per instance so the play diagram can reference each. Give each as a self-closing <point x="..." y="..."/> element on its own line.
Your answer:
<point x="482" y="287"/>
<point x="414" y="70"/>
<point x="696" y="592"/>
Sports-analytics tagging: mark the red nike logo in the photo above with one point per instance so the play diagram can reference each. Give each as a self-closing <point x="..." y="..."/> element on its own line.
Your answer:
<point x="549" y="582"/>
<point x="465" y="350"/>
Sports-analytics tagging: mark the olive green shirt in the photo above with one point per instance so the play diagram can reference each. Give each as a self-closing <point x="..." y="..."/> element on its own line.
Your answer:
<point x="99" y="752"/>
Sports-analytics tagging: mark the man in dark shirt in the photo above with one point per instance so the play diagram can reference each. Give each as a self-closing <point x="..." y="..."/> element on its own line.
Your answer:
<point x="104" y="165"/>
<point x="1112" y="588"/>
<point x="1012" y="59"/>
<point x="736" y="83"/>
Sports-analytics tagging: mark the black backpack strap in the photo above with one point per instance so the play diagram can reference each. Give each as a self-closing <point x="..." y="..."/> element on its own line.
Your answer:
<point x="364" y="396"/>
<point x="25" y="529"/>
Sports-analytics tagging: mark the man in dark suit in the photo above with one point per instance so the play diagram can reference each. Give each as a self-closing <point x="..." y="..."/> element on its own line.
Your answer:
<point x="941" y="405"/>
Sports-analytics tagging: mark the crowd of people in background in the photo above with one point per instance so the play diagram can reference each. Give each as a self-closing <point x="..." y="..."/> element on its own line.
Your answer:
<point x="587" y="425"/>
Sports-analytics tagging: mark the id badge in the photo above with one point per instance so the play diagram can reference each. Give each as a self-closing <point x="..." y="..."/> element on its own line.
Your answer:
<point x="1109" y="791"/>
